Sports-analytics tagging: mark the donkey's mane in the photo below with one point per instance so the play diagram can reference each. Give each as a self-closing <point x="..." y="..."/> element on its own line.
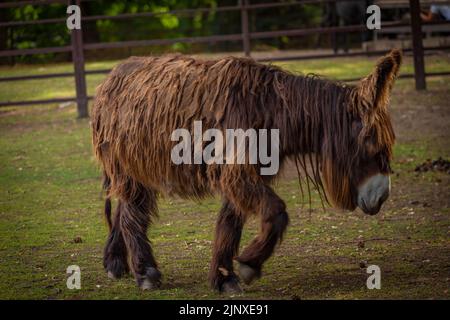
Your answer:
<point x="144" y="99"/>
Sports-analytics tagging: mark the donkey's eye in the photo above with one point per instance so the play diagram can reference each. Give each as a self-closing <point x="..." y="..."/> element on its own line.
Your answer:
<point x="356" y="127"/>
<point x="370" y="146"/>
<point x="383" y="162"/>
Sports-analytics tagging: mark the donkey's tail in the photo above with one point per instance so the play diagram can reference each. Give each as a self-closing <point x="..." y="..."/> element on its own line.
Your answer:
<point x="106" y="187"/>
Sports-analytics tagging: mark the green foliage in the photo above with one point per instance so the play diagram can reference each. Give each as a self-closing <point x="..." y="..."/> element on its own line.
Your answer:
<point x="162" y="25"/>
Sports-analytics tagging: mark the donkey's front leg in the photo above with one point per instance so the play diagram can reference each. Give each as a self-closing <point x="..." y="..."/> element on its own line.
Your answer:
<point x="226" y="244"/>
<point x="274" y="221"/>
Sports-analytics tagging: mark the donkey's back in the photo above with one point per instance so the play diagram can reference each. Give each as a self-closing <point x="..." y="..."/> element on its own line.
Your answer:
<point x="145" y="99"/>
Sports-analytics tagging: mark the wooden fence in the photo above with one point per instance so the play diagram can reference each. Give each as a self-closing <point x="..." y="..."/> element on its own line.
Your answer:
<point x="77" y="46"/>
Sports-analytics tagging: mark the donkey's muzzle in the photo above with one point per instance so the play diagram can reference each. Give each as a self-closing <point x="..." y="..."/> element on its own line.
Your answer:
<point x="373" y="193"/>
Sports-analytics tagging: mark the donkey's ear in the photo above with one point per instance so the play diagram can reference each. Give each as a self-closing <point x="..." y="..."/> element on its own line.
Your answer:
<point x="376" y="87"/>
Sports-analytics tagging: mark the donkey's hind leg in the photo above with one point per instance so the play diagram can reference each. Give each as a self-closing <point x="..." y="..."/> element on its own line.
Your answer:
<point x="134" y="221"/>
<point x="274" y="220"/>
<point x="226" y="244"/>
<point x="115" y="254"/>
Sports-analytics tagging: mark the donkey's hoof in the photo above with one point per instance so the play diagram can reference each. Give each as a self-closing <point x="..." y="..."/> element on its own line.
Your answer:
<point x="151" y="280"/>
<point x="231" y="287"/>
<point x="116" y="268"/>
<point x="247" y="273"/>
<point x="149" y="285"/>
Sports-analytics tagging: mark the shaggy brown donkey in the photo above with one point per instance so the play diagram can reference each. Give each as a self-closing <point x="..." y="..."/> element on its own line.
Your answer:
<point x="339" y="135"/>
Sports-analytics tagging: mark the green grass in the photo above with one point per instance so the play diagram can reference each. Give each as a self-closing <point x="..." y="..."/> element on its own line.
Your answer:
<point x="50" y="194"/>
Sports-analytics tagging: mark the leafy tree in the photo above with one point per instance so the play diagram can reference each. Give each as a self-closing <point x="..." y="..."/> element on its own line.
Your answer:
<point x="161" y="26"/>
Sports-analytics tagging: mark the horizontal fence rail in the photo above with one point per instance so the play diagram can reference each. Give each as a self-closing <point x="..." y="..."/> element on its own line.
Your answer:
<point x="286" y="58"/>
<point x="216" y="38"/>
<point x="78" y="47"/>
<point x="184" y="12"/>
<point x="21" y="3"/>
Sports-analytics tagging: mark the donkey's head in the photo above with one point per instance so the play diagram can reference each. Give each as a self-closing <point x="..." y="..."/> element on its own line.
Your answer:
<point x="357" y="173"/>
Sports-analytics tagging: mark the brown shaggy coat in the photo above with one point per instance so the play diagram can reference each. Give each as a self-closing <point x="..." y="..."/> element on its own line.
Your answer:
<point x="144" y="99"/>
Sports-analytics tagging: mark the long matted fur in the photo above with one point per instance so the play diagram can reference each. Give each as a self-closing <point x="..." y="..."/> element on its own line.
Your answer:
<point x="337" y="134"/>
<point x="144" y="99"/>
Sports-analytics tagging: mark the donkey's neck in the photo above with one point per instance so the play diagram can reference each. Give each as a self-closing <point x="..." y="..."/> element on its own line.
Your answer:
<point x="314" y="111"/>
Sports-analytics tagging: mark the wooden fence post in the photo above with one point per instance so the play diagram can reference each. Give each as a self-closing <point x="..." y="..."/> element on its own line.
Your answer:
<point x="78" y="63"/>
<point x="244" y="27"/>
<point x="416" y="28"/>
